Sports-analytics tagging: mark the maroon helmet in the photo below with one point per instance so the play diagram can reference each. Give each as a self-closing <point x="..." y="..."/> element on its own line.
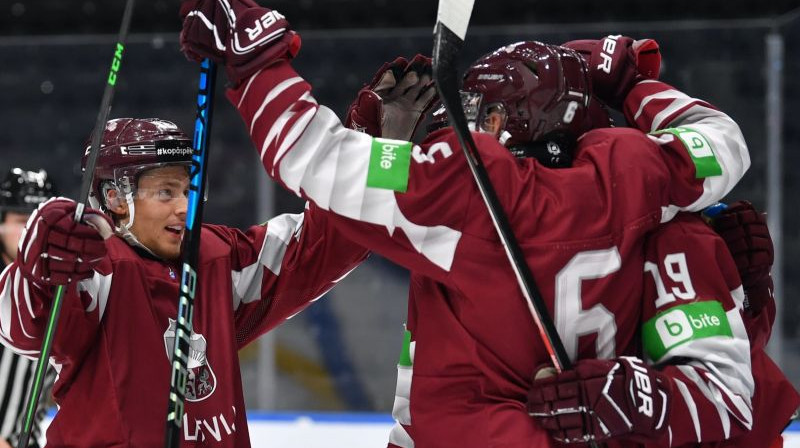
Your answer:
<point x="542" y="91"/>
<point x="131" y="146"/>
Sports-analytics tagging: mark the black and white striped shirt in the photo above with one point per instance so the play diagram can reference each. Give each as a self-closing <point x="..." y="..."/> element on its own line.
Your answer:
<point x="16" y="376"/>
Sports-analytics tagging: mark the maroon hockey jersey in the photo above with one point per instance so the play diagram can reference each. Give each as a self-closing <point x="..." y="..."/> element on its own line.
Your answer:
<point x="116" y="331"/>
<point x="582" y="230"/>
<point x="693" y="329"/>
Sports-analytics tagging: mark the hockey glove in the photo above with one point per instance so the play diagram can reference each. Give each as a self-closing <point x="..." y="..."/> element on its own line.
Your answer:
<point x="55" y="250"/>
<point x="617" y="63"/>
<point x="238" y="33"/>
<point x="745" y="232"/>
<point x="602" y="399"/>
<point x="394" y="102"/>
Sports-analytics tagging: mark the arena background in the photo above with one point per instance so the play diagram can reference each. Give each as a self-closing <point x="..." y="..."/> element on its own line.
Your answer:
<point x="340" y="354"/>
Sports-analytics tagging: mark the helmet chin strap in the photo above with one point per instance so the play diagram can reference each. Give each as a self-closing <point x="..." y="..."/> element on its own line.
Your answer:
<point x="124" y="231"/>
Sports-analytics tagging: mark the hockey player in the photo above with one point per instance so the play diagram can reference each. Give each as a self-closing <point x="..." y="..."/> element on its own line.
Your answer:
<point x="418" y="206"/>
<point x="114" y="340"/>
<point x="686" y="238"/>
<point x="20" y="193"/>
<point x="701" y="360"/>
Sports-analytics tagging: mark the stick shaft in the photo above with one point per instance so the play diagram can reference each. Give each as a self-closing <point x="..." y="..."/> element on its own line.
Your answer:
<point x="35" y="391"/>
<point x="447" y="46"/>
<point x="190" y="251"/>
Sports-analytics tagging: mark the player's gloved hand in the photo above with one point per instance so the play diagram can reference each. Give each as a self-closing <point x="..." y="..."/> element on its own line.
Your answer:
<point x="393" y="103"/>
<point x="616" y="63"/>
<point x="745" y="232"/>
<point x="602" y="399"/>
<point x="238" y="33"/>
<point x="56" y="250"/>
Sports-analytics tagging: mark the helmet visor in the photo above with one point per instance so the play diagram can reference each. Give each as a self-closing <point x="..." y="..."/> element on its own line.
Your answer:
<point x="162" y="184"/>
<point x="471" y="103"/>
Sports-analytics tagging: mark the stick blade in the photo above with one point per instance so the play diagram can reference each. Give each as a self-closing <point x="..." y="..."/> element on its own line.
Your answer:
<point x="455" y="15"/>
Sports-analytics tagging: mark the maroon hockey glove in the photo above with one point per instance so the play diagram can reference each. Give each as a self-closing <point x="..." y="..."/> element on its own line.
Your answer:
<point x="55" y="250"/>
<point x="602" y="399"/>
<point x="745" y="232"/>
<point x="238" y="33"/>
<point x="394" y="102"/>
<point x="617" y="63"/>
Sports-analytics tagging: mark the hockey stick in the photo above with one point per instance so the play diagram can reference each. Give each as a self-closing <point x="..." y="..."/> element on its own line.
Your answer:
<point x="86" y="183"/>
<point x="451" y="28"/>
<point x="190" y="249"/>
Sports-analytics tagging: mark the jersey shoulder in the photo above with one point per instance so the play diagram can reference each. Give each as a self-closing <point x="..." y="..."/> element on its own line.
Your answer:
<point x="622" y="139"/>
<point x="685" y="229"/>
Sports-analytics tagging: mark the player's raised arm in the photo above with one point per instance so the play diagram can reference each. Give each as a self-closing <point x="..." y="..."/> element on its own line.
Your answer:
<point x="367" y="183"/>
<point x="699" y="141"/>
<point x="55" y="250"/>
<point x="280" y="267"/>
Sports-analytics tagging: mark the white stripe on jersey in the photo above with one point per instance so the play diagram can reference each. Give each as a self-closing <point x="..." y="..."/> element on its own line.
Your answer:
<point x="714" y="397"/>
<point x="399" y="436"/>
<point x="722" y="133"/>
<point x="738" y="297"/>
<point x="329" y="163"/>
<point x="98" y="287"/>
<point x="674" y="106"/>
<point x="687" y="398"/>
<point x="26" y="294"/>
<point x="401" y="410"/>
<point x="247" y="87"/>
<point x="290" y="137"/>
<point x="271" y="96"/>
<point x="730" y="357"/>
<point x="247" y="281"/>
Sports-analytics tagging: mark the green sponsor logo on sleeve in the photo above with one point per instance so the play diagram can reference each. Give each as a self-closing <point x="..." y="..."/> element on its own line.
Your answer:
<point x="389" y="164"/>
<point x="682" y="324"/>
<point x="405" y="354"/>
<point x="700" y="150"/>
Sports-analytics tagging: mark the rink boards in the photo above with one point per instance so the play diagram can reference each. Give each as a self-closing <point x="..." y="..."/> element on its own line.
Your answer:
<point x="294" y="430"/>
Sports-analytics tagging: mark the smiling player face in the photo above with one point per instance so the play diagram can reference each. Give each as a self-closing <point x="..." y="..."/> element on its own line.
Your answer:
<point x="160" y="210"/>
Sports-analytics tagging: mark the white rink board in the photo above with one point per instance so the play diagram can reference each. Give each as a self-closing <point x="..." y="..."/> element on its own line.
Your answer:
<point x="295" y="430"/>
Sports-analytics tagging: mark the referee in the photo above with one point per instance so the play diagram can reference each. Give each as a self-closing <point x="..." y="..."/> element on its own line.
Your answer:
<point x="20" y="193"/>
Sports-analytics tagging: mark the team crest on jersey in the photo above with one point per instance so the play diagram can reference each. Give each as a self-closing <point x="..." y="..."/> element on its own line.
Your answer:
<point x="201" y="382"/>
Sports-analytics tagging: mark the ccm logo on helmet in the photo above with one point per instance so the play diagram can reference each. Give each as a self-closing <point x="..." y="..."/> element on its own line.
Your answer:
<point x="609" y="45"/>
<point x="644" y="388"/>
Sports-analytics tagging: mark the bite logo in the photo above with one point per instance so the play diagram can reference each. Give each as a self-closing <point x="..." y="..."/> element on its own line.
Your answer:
<point x="388" y="155"/>
<point x="673" y="328"/>
<point x="676" y="326"/>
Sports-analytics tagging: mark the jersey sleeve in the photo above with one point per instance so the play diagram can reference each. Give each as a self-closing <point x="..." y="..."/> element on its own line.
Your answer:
<point x="25" y="308"/>
<point x="399" y="199"/>
<point x="693" y="332"/>
<point x="282" y="266"/>
<point x="703" y="147"/>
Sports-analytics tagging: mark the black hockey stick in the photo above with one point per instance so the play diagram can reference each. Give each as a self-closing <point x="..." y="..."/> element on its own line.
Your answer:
<point x="451" y="28"/>
<point x="97" y="135"/>
<point x="190" y="249"/>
